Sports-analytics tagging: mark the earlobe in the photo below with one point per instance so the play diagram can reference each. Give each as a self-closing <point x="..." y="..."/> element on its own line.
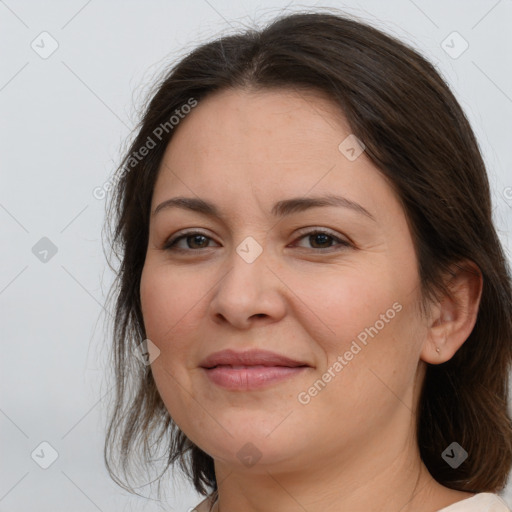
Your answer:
<point x="452" y="319"/>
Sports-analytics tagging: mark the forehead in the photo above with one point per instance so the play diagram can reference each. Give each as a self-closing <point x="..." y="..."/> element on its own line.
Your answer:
<point x="238" y="124"/>
<point x="269" y="142"/>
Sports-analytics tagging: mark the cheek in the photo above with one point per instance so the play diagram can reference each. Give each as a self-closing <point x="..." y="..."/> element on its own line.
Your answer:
<point x="343" y="302"/>
<point x="366" y="325"/>
<point x="168" y="299"/>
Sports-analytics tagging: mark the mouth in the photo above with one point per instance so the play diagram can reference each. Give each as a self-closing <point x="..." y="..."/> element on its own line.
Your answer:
<point x="241" y="366"/>
<point x="250" y="370"/>
<point x="249" y="358"/>
<point x="247" y="378"/>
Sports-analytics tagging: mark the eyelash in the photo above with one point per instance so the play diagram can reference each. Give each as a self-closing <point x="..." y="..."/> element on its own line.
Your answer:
<point x="170" y="244"/>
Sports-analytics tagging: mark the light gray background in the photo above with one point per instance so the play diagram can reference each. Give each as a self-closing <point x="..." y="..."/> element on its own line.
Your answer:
<point x="64" y="120"/>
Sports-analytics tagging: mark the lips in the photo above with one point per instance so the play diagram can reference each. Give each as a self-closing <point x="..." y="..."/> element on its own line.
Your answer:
<point x="249" y="358"/>
<point x="250" y="370"/>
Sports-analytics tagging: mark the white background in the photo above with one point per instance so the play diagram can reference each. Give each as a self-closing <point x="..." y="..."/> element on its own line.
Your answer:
<point x="63" y="123"/>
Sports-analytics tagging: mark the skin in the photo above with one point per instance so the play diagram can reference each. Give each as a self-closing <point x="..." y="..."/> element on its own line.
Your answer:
<point x="353" y="446"/>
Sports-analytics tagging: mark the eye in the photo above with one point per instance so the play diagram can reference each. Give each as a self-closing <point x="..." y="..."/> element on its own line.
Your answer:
<point x="322" y="239"/>
<point x="319" y="239"/>
<point x="193" y="239"/>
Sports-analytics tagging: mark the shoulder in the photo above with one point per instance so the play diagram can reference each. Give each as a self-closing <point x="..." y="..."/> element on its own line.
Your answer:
<point x="482" y="502"/>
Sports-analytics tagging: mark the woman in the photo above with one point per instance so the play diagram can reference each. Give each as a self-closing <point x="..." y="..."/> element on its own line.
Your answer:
<point x="307" y="251"/>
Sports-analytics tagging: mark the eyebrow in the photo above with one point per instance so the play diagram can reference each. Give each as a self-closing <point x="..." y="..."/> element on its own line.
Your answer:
<point x="280" y="209"/>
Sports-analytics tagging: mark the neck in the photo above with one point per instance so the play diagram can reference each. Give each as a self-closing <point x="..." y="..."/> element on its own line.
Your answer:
<point x="382" y="475"/>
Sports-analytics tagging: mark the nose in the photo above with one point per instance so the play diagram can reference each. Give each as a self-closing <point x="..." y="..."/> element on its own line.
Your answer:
<point x="249" y="293"/>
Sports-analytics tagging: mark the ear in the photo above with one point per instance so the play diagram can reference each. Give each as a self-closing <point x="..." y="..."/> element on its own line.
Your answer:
<point x="452" y="318"/>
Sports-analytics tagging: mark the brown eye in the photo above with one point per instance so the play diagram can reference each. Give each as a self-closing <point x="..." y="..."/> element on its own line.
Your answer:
<point x="193" y="240"/>
<point x="319" y="240"/>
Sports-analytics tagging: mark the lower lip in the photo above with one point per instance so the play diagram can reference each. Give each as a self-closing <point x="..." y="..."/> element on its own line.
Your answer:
<point x="255" y="377"/>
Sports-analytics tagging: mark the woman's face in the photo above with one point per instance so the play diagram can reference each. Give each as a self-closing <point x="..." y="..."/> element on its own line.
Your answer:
<point x="257" y="274"/>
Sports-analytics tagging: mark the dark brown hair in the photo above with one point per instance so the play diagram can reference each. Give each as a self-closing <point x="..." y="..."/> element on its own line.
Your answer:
<point x="417" y="135"/>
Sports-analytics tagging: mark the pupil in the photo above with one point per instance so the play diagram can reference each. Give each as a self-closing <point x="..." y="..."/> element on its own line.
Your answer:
<point x="321" y="236"/>
<point x="196" y="238"/>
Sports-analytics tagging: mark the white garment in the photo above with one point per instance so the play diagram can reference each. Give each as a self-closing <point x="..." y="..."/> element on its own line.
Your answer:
<point x="482" y="502"/>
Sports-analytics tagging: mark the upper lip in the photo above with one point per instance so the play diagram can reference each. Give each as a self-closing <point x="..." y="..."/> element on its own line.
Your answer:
<point x="249" y="358"/>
